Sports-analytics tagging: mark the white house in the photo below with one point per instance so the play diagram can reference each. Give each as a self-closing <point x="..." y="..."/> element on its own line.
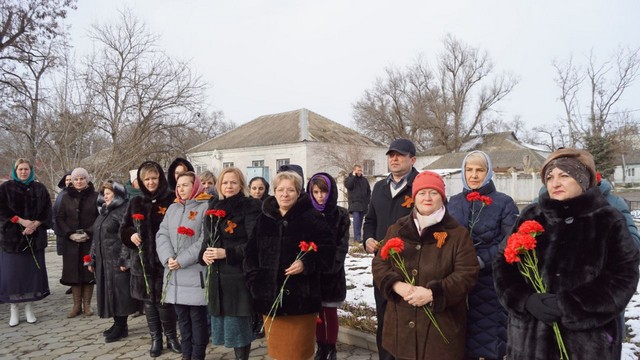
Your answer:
<point x="300" y="137"/>
<point x="629" y="171"/>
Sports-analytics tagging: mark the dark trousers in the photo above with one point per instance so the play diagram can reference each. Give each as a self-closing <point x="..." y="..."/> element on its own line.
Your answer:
<point x="381" y="307"/>
<point x="357" y="225"/>
<point x="194" y="332"/>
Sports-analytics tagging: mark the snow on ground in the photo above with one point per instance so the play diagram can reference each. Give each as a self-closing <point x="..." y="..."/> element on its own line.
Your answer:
<point x="360" y="290"/>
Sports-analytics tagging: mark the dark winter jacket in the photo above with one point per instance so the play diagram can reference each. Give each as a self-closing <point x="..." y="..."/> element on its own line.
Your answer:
<point x="588" y="259"/>
<point x="385" y="210"/>
<point x="358" y="192"/>
<point x="60" y="240"/>
<point x="228" y="293"/>
<point x="78" y="211"/>
<point x="333" y="282"/>
<point x="487" y="319"/>
<point x="153" y="206"/>
<point x="112" y="293"/>
<point x="273" y="247"/>
<point x="29" y="202"/>
<point x="172" y="168"/>
<point x="450" y="272"/>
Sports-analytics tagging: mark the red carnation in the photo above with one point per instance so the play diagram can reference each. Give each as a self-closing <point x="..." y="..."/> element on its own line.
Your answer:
<point x="511" y="255"/>
<point x="313" y="246"/>
<point x="15" y="219"/>
<point x="531" y="227"/>
<point x="598" y="177"/>
<point x="304" y="246"/>
<point x="222" y="213"/>
<point x="138" y="217"/>
<point x="392" y="245"/>
<point x="485" y="199"/>
<point x="473" y="196"/>
<point x="210" y="212"/>
<point x="183" y="230"/>
<point x="86" y="259"/>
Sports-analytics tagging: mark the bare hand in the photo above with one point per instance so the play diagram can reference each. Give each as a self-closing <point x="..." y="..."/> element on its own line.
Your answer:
<point x="90" y="268"/>
<point x="28" y="231"/>
<point x="136" y="240"/>
<point x="173" y="264"/>
<point x="403" y="289"/>
<point x="420" y="296"/>
<point x="371" y="245"/>
<point x="123" y="268"/>
<point x="296" y="268"/>
<point x="208" y="256"/>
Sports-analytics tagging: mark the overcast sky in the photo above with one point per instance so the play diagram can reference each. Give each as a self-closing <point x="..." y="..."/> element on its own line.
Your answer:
<point x="264" y="57"/>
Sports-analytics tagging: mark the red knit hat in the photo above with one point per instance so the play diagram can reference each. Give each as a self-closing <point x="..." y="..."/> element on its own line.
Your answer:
<point x="428" y="180"/>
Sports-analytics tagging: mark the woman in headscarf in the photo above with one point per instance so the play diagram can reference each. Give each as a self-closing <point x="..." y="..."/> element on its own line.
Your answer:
<point x="152" y="205"/>
<point x="259" y="188"/>
<point x="588" y="263"/>
<point x="333" y="284"/>
<point x="114" y="298"/>
<point x="25" y="215"/>
<point x="489" y="215"/>
<point x="74" y="219"/>
<point x="178" y="244"/>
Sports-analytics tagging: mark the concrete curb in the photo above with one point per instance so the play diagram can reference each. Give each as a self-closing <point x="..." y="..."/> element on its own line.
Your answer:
<point x="357" y="338"/>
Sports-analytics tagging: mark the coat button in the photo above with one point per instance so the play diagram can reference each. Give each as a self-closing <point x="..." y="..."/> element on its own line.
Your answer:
<point x="418" y="247"/>
<point x="412" y="324"/>
<point x="414" y="272"/>
<point x="568" y="220"/>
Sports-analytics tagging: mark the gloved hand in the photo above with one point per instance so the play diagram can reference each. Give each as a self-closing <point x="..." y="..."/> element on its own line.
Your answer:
<point x="544" y="307"/>
<point x="79" y="238"/>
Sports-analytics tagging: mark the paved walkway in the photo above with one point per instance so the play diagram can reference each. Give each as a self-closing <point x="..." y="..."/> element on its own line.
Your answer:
<point x="54" y="336"/>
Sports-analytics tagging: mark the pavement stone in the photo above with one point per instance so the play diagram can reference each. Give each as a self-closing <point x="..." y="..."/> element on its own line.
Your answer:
<point x="54" y="337"/>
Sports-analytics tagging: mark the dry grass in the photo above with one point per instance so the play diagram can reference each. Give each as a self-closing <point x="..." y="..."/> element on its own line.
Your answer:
<point x="362" y="317"/>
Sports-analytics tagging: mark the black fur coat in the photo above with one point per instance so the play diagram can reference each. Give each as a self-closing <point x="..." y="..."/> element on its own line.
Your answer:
<point x="29" y="202"/>
<point x="153" y="206"/>
<point x="588" y="259"/>
<point x="273" y="247"/>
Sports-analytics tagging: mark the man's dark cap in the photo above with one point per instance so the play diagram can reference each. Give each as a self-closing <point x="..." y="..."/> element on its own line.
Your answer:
<point x="402" y="146"/>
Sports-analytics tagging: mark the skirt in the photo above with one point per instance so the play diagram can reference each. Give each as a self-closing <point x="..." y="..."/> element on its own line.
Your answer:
<point x="20" y="278"/>
<point x="231" y="331"/>
<point x="291" y="337"/>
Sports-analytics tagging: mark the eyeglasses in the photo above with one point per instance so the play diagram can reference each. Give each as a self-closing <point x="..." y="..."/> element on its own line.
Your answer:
<point x="285" y="191"/>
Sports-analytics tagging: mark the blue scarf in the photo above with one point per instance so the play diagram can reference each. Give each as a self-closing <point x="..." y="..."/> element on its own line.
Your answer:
<point x="32" y="176"/>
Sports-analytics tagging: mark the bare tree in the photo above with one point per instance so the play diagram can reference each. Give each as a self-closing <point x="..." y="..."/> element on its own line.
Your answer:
<point x="136" y="94"/>
<point x="441" y="108"/>
<point x="600" y="86"/>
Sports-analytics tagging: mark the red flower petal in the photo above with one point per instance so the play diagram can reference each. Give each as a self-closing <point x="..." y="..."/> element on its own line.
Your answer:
<point x="304" y="246"/>
<point x="531" y="227"/>
<point x="312" y="246"/>
<point x="138" y="217"/>
<point x="394" y="244"/>
<point x="15" y="219"/>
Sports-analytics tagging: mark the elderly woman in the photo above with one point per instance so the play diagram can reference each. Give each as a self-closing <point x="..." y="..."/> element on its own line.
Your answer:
<point x="178" y="244"/>
<point x="25" y="215"/>
<point x="587" y="260"/>
<point x="439" y="255"/>
<point x="271" y="257"/>
<point x="114" y="299"/>
<point x="259" y="188"/>
<point x="74" y="219"/>
<point x="225" y="238"/>
<point x="152" y="205"/>
<point x="488" y="221"/>
<point x="333" y="284"/>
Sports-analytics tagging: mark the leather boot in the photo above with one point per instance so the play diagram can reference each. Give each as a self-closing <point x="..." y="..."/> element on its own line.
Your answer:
<point x="242" y="353"/>
<point x="28" y="313"/>
<point x="321" y="352"/>
<point x="168" y="318"/>
<point x="15" y="316"/>
<point x="120" y="329"/>
<point x="87" y="294"/>
<point x="331" y="352"/>
<point x="76" y="292"/>
<point x="155" y="329"/>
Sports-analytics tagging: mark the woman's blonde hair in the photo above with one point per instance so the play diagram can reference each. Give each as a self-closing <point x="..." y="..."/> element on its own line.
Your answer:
<point x="238" y="173"/>
<point x="207" y="175"/>
<point x="21" y="161"/>
<point x="288" y="175"/>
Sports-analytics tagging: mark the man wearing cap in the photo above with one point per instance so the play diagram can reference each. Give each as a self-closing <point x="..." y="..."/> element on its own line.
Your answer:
<point x="390" y="200"/>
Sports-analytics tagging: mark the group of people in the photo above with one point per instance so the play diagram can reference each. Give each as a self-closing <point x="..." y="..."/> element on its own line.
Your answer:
<point x="216" y="257"/>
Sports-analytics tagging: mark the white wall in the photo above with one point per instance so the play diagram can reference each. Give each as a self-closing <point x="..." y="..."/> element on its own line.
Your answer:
<point x="635" y="178"/>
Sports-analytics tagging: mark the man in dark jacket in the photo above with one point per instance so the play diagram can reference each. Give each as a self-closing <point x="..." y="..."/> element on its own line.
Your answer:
<point x="390" y="200"/>
<point x="359" y="192"/>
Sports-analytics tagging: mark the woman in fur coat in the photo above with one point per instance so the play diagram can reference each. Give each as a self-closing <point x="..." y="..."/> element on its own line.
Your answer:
<point x="75" y="217"/>
<point x="587" y="260"/>
<point x="225" y="239"/>
<point x="439" y="255"/>
<point x="287" y="219"/>
<point x="153" y="204"/>
<point x="25" y="215"/>
<point x="178" y="244"/>
<point x="333" y="284"/>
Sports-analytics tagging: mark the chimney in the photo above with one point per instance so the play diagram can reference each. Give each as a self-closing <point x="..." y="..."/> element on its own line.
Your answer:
<point x="304" y="124"/>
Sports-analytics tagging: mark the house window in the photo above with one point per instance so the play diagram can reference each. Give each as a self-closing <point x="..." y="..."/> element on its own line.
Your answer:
<point x="280" y="162"/>
<point x="368" y="167"/>
<point x="200" y="169"/>
<point x="227" y="164"/>
<point x="257" y="163"/>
